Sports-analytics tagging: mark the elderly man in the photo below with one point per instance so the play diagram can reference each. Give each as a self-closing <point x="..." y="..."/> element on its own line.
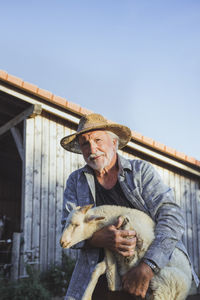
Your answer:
<point x="108" y="178"/>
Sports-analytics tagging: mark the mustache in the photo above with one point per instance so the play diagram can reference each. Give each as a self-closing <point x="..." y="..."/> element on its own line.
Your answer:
<point x="94" y="155"/>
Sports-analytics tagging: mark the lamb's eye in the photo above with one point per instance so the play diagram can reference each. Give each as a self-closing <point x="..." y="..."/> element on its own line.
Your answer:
<point x="76" y="225"/>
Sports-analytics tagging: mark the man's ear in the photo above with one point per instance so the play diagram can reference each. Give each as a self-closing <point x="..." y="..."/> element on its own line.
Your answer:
<point x="94" y="218"/>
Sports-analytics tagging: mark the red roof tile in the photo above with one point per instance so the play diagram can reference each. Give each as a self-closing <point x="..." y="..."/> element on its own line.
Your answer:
<point x="59" y="100"/>
<point x="33" y="89"/>
<point x="170" y="151"/>
<point x="148" y="141"/>
<point x="30" y="87"/>
<point x="45" y="94"/>
<point x="3" y="75"/>
<point x="180" y="155"/>
<point x="14" y="80"/>
<point x="159" y="146"/>
<point x="136" y="135"/>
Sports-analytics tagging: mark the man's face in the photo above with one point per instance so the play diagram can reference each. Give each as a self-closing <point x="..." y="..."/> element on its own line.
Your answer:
<point x="98" y="148"/>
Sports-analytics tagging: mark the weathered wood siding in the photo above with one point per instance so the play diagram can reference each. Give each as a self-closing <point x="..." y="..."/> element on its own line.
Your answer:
<point x="47" y="168"/>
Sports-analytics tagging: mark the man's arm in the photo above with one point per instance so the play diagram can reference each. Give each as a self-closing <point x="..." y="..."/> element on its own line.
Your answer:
<point x="168" y="230"/>
<point x="166" y="213"/>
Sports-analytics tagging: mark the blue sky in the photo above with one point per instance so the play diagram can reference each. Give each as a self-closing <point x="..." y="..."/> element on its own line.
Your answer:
<point x="135" y="62"/>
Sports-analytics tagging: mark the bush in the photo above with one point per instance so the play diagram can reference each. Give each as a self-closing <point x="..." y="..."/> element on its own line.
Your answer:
<point x="28" y="288"/>
<point x="39" y="286"/>
<point x="56" y="278"/>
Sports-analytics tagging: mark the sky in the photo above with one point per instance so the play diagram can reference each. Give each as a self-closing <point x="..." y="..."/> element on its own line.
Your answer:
<point x="137" y="62"/>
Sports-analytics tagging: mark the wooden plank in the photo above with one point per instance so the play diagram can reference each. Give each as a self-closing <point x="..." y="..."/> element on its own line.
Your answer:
<point x="36" y="188"/>
<point x="184" y="207"/>
<point x="67" y="171"/>
<point x="28" y="203"/>
<point x="166" y="177"/>
<point x="198" y="226"/>
<point x="74" y="160"/>
<point x="67" y="160"/>
<point x="44" y="194"/>
<point x="18" y="141"/>
<point x="172" y="183"/>
<point x="19" y="118"/>
<point x="194" y="239"/>
<point x="188" y="218"/>
<point x="177" y="189"/>
<point x="15" y="256"/>
<point x="59" y="190"/>
<point x="52" y="193"/>
<point x="23" y="198"/>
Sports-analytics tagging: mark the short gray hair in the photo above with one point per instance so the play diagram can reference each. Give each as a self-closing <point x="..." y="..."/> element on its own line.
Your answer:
<point x="114" y="137"/>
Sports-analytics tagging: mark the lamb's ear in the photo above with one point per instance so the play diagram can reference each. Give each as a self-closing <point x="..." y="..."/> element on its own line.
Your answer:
<point x="94" y="218"/>
<point x="71" y="206"/>
<point x="85" y="208"/>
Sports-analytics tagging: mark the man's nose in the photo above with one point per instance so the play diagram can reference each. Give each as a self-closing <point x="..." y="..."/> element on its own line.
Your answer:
<point x="93" y="147"/>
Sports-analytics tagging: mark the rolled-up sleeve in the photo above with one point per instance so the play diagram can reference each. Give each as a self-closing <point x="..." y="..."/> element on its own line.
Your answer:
<point x="165" y="212"/>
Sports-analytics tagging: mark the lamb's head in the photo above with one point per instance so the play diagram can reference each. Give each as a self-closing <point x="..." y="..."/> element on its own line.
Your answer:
<point x="80" y="225"/>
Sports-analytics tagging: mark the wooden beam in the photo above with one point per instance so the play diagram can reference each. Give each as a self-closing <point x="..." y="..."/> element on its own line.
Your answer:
<point x="29" y="112"/>
<point x="15" y="256"/>
<point x="18" y="141"/>
<point x="55" y="111"/>
<point x="163" y="158"/>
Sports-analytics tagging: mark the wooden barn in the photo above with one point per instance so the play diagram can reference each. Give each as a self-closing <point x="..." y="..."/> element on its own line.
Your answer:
<point x="34" y="169"/>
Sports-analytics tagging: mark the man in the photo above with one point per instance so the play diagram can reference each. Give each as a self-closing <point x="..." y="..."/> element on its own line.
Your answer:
<point x="108" y="178"/>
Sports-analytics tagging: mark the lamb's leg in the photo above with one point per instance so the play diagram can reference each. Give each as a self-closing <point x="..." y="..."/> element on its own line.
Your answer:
<point x="98" y="271"/>
<point x="113" y="278"/>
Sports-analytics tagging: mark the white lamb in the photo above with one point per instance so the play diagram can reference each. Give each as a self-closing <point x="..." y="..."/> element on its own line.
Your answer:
<point x="171" y="283"/>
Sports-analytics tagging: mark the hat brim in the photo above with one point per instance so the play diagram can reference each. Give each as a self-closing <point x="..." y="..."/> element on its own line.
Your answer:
<point x="70" y="142"/>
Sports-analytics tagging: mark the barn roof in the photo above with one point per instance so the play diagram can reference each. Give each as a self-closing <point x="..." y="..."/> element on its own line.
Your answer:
<point x="62" y="103"/>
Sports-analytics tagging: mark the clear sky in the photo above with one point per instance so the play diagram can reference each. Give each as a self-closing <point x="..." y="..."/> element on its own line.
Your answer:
<point x="137" y="62"/>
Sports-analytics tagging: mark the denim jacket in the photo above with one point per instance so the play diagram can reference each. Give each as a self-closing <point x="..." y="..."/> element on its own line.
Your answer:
<point x="145" y="190"/>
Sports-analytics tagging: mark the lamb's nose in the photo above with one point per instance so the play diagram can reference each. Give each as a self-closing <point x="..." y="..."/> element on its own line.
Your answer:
<point x="62" y="243"/>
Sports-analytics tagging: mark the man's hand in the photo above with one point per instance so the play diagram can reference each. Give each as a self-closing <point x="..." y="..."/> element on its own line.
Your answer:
<point x="114" y="239"/>
<point x="136" y="280"/>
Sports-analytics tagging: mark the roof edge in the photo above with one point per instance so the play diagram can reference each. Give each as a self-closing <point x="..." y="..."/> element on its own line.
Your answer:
<point x="64" y="103"/>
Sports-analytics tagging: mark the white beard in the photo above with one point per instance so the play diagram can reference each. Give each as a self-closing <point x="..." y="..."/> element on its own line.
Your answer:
<point x="102" y="162"/>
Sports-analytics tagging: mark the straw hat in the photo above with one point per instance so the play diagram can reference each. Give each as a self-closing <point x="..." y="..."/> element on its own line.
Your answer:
<point x="93" y="122"/>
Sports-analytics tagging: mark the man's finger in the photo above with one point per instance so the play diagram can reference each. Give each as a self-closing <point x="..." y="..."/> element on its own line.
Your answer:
<point x="144" y="288"/>
<point x="127" y="244"/>
<point x="128" y="233"/>
<point x="130" y="242"/>
<point x="119" y="223"/>
<point x="125" y="252"/>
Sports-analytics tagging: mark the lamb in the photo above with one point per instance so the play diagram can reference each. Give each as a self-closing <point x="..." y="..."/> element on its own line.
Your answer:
<point x="172" y="282"/>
